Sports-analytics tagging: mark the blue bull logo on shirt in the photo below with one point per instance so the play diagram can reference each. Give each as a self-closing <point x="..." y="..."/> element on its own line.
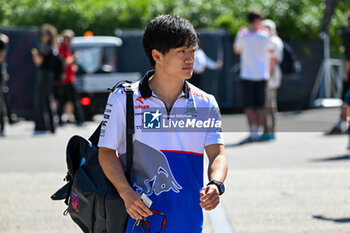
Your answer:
<point x="150" y="171"/>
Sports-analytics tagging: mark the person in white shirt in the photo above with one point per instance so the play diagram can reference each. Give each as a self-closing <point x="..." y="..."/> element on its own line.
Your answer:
<point x="201" y="63"/>
<point x="254" y="47"/>
<point x="274" y="81"/>
<point x="167" y="160"/>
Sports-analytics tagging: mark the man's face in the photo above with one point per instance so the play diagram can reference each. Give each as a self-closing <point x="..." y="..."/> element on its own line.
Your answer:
<point x="67" y="40"/>
<point x="45" y="37"/>
<point x="256" y="25"/>
<point x="178" y="62"/>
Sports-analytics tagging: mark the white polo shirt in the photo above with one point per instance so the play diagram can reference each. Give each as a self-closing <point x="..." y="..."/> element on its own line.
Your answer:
<point x="167" y="163"/>
<point x="255" y="48"/>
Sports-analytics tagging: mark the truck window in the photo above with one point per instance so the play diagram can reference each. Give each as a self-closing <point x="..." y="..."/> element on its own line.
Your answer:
<point x="92" y="60"/>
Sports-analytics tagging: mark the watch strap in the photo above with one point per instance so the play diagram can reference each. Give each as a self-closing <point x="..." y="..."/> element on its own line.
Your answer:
<point x="218" y="184"/>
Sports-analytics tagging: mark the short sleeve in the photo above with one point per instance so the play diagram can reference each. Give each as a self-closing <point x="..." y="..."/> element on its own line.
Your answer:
<point x="214" y="136"/>
<point x="112" y="134"/>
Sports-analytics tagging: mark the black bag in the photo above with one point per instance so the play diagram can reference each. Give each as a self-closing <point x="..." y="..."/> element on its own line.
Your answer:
<point x="289" y="59"/>
<point x="93" y="202"/>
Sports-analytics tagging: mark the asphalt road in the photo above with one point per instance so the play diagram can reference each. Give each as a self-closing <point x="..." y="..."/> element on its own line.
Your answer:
<point x="297" y="183"/>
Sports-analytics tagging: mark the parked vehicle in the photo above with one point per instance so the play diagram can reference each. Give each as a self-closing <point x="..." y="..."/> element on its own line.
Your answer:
<point x="96" y="58"/>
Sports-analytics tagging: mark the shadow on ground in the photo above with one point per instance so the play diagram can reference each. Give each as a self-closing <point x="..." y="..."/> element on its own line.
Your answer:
<point x="338" y="158"/>
<point x="335" y="220"/>
<point x="247" y="142"/>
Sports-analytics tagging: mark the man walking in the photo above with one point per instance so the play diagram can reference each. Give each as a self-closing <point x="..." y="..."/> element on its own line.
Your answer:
<point x="167" y="165"/>
<point x="254" y="46"/>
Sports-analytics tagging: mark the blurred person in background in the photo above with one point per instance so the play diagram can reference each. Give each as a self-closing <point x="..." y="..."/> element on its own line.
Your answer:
<point x="274" y="82"/>
<point x="345" y="34"/>
<point x="346" y="45"/>
<point x="254" y="46"/>
<point x="72" y="104"/>
<point x="44" y="60"/>
<point x="201" y="63"/>
<point x="4" y="77"/>
<point x="58" y="87"/>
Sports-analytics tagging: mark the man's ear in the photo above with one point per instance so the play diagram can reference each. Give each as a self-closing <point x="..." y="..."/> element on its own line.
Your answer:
<point x="156" y="56"/>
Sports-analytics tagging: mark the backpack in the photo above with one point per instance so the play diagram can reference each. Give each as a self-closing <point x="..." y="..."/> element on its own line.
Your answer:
<point x="289" y="59"/>
<point x="93" y="202"/>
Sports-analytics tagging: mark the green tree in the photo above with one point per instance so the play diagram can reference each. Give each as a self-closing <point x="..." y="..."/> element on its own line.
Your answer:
<point x="295" y="19"/>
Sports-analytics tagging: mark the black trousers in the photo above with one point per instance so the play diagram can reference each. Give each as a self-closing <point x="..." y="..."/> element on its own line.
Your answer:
<point x="43" y="113"/>
<point x="71" y="95"/>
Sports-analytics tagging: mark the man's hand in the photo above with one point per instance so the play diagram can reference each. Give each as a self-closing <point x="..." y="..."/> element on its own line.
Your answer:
<point x="209" y="197"/>
<point x="6" y="77"/>
<point x="219" y="64"/>
<point x="134" y="205"/>
<point x="114" y="171"/>
<point x="243" y="29"/>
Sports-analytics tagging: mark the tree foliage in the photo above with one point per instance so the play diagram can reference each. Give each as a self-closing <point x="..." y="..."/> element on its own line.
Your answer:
<point x="295" y="19"/>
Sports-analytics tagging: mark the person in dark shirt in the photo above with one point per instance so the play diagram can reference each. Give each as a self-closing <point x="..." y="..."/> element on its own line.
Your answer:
<point x="346" y="44"/>
<point x="3" y="78"/>
<point x="346" y="78"/>
<point x="44" y="60"/>
<point x="345" y="35"/>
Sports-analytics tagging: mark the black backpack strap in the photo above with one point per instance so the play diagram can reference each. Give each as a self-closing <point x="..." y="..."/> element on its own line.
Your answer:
<point x="130" y="125"/>
<point x="96" y="134"/>
<point x="130" y="129"/>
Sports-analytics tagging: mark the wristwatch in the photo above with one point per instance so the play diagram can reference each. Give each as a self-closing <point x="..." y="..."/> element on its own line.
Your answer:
<point x="220" y="185"/>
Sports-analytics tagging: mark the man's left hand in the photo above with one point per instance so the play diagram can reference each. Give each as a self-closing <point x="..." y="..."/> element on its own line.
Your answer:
<point x="209" y="197"/>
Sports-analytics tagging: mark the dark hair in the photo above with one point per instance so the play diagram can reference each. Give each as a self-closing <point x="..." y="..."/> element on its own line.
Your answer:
<point x="166" y="32"/>
<point x="254" y="15"/>
<point x="2" y="45"/>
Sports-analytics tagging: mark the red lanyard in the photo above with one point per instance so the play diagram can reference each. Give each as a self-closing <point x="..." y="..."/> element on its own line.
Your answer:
<point x="146" y="223"/>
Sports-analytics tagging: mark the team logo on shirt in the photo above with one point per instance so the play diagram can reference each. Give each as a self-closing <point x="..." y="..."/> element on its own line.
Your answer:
<point x="151" y="120"/>
<point x="151" y="171"/>
<point x="140" y="99"/>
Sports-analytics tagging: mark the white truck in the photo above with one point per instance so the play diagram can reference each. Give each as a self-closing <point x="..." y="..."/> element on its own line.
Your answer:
<point x="96" y="58"/>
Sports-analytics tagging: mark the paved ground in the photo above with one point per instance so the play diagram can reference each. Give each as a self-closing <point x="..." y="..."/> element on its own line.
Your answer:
<point x="298" y="183"/>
